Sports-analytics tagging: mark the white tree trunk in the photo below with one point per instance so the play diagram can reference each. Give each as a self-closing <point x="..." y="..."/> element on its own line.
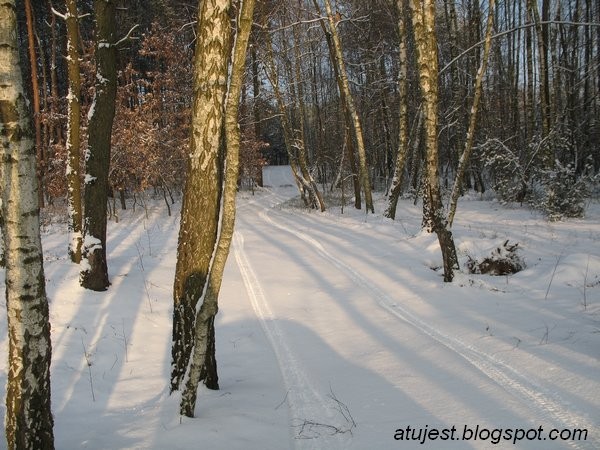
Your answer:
<point x="464" y="159"/>
<point x="423" y="18"/>
<point x="198" y="231"/>
<point x="29" y="423"/>
<point x="338" y="59"/>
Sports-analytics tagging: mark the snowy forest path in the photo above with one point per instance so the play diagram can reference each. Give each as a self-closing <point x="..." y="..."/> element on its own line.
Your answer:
<point x="546" y="403"/>
<point x="349" y="252"/>
<point x="310" y="419"/>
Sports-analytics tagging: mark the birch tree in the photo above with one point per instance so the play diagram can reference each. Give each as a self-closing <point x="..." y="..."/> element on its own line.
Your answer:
<point x="293" y="137"/>
<point x="402" y="154"/>
<point x="300" y="142"/>
<point x="423" y="18"/>
<point x="204" y="348"/>
<point x="29" y="422"/>
<point x="202" y="193"/>
<point x="464" y="159"/>
<point x="338" y="59"/>
<point x="347" y="120"/>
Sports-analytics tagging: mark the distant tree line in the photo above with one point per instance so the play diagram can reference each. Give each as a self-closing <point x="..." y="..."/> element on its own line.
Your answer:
<point x="538" y="104"/>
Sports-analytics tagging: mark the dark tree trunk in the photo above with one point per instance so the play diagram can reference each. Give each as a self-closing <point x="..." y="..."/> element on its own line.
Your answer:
<point x="37" y="117"/>
<point x="75" y="221"/>
<point x="209" y="373"/>
<point x="94" y="271"/>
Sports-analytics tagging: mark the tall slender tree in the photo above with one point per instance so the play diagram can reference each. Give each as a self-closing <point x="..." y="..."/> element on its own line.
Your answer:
<point x="29" y="422"/>
<point x="35" y="89"/>
<point x="338" y="59"/>
<point x="346" y="119"/>
<point x="423" y="18"/>
<point x="300" y="140"/>
<point x="402" y="154"/>
<point x="73" y="145"/>
<point x="202" y="193"/>
<point x="464" y="159"/>
<point x="203" y="346"/>
<point x="94" y="269"/>
<point x="544" y="70"/>
<point x="292" y="144"/>
<point x="293" y="130"/>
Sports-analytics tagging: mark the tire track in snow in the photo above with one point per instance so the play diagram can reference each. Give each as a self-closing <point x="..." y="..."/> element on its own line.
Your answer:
<point x="313" y="417"/>
<point x="549" y="405"/>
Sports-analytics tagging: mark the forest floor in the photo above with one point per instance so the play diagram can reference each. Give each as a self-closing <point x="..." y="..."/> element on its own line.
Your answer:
<point x="335" y="331"/>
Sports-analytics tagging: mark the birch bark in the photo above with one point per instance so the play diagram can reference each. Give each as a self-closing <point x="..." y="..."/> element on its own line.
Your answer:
<point x="202" y="193"/>
<point x="423" y="18"/>
<point x="28" y="422"/>
<point x="204" y="349"/>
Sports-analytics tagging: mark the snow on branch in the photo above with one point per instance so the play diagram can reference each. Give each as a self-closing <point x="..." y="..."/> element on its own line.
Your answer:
<point x="127" y="36"/>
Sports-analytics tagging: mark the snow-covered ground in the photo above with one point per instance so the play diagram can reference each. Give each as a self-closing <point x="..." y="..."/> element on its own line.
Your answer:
<point x="336" y="331"/>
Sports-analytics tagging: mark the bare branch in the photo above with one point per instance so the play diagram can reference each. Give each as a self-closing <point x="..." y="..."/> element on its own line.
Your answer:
<point x="56" y="13"/>
<point x="521" y="27"/>
<point x="127" y="36"/>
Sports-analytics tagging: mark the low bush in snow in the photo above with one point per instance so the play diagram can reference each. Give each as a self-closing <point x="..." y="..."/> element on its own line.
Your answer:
<point x="503" y="260"/>
<point x="562" y="192"/>
<point x="559" y="190"/>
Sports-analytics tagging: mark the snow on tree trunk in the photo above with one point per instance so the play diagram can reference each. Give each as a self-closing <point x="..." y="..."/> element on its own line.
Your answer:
<point x="423" y="17"/>
<point x="73" y="137"/>
<point x="202" y="193"/>
<point x="204" y="345"/>
<point x="28" y="422"/>
<point x="402" y="155"/>
<point x="338" y="60"/>
<point x="94" y="268"/>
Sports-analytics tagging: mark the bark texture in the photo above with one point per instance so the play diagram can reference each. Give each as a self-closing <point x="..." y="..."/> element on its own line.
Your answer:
<point x="464" y="159"/>
<point x="423" y="18"/>
<point x="396" y="188"/>
<point x="94" y="270"/>
<point x="203" y="353"/>
<point x="202" y="193"/>
<point x="338" y="60"/>
<point x="29" y="422"/>
<point x="73" y="136"/>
